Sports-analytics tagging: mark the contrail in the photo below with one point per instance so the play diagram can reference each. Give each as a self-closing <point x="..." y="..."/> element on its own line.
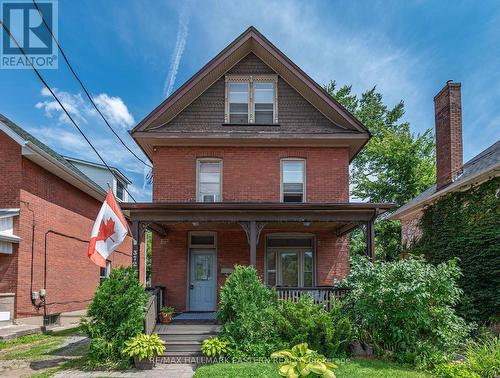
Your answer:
<point x="180" y="44"/>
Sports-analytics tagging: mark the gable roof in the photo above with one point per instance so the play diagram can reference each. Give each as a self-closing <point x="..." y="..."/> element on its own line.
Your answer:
<point x="47" y="158"/>
<point x="250" y="41"/>
<point x="478" y="169"/>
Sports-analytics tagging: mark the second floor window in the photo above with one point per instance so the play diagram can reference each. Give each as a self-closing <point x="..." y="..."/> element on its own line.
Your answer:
<point x="293" y="174"/>
<point x="209" y="180"/>
<point x="251" y="99"/>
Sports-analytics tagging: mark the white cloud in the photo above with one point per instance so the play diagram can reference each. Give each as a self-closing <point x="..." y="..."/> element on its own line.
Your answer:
<point x="73" y="103"/>
<point x="114" y="110"/>
<point x="180" y="44"/>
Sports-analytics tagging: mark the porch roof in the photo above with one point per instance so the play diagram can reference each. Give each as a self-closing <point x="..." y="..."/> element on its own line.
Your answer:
<point x="348" y="212"/>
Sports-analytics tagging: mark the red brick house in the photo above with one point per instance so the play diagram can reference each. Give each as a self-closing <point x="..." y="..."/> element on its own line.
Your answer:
<point x="451" y="173"/>
<point x="47" y="210"/>
<point x="251" y="166"/>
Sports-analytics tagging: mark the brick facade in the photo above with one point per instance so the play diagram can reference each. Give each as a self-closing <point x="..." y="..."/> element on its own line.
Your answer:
<point x="50" y="204"/>
<point x="250" y="174"/>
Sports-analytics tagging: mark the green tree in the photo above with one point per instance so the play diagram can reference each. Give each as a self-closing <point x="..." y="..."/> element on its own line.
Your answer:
<point x="394" y="166"/>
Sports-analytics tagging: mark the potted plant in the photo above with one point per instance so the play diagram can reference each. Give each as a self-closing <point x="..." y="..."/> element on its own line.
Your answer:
<point x="144" y="349"/>
<point x="166" y="313"/>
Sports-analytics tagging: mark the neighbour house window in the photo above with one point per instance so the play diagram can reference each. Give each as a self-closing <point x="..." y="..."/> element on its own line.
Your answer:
<point x="290" y="261"/>
<point x="105" y="272"/>
<point x="120" y="190"/>
<point x="251" y="99"/>
<point x="293" y="174"/>
<point x="209" y="180"/>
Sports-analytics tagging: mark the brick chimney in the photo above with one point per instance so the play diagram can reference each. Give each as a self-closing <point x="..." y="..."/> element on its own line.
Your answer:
<point x="448" y="113"/>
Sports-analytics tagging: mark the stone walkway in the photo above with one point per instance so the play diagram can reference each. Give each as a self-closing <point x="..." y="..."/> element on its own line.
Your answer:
<point x="160" y="371"/>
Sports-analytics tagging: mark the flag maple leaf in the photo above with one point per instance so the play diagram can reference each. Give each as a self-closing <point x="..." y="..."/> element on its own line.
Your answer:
<point x="106" y="230"/>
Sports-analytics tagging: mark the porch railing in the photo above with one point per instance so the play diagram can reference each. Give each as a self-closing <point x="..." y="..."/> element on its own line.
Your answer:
<point x="320" y="295"/>
<point x="153" y="306"/>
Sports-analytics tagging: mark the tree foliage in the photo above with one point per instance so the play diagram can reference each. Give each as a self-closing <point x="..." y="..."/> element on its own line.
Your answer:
<point x="395" y="166"/>
<point x="466" y="225"/>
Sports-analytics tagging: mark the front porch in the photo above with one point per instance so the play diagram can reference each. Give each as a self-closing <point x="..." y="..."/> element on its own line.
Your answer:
<point x="296" y="247"/>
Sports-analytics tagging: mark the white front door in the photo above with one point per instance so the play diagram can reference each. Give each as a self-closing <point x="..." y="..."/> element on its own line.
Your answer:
<point x="202" y="280"/>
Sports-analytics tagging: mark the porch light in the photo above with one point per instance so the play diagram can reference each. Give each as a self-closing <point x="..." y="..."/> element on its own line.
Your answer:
<point x="196" y="224"/>
<point x="307" y="224"/>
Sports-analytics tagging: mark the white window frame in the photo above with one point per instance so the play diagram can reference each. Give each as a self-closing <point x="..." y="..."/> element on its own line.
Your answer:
<point x="251" y="79"/>
<point x="199" y="161"/>
<point x="304" y="177"/>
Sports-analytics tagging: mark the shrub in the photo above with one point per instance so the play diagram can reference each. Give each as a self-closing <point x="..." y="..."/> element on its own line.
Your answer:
<point x="144" y="346"/>
<point x="300" y="361"/>
<point x="405" y="308"/>
<point x="246" y="310"/>
<point x="454" y="370"/>
<point x="483" y="357"/>
<point x="214" y="347"/>
<point x="304" y="321"/>
<point x="115" y="314"/>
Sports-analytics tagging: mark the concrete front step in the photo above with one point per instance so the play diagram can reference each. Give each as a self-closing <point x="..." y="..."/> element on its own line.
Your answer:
<point x="188" y="337"/>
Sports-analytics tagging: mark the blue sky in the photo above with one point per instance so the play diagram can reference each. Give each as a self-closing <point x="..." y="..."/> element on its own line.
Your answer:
<point x="130" y="54"/>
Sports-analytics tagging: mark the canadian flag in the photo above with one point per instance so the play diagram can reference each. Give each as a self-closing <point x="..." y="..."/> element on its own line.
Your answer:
<point x="109" y="231"/>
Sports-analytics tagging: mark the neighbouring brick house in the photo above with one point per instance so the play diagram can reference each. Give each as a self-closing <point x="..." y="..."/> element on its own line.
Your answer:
<point x="251" y="166"/>
<point x="451" y="174"/>
<point x="47" y="210"/>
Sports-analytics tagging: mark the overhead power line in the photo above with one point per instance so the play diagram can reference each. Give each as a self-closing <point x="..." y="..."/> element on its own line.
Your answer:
<point x="85" y="89"/>
<point x="6" y="29"/>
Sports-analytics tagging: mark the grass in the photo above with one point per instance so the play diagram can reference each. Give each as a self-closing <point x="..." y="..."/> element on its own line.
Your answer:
<point x="43" y="355"/>
<point x="355" y="368"/>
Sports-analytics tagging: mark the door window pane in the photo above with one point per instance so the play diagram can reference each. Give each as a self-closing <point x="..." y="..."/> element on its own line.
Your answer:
<point x="238" y="102"/>
<point x="293" y="173"/>
<point x="289" y="269"/>
<point x="202" y="268"/>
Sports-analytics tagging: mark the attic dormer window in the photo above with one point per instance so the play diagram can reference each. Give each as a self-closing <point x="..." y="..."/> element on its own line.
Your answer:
<point x="251" y="99"/>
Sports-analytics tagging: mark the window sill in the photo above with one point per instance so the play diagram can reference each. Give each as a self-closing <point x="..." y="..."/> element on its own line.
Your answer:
<point x="252" y="124"/>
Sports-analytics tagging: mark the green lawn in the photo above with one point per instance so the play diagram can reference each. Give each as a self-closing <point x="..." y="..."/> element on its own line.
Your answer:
<point x="44" y="354"/>
<point x="355" y="368"/>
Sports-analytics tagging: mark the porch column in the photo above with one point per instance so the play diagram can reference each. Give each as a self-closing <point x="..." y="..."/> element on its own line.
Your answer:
<point x="253" y="243"/>
<point x="370" y="240"/>
<point x="136" y="246"/>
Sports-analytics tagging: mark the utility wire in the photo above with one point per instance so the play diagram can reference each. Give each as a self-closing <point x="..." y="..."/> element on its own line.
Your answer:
<point x="85" y="89"/>
<point x="60" y="104"/>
